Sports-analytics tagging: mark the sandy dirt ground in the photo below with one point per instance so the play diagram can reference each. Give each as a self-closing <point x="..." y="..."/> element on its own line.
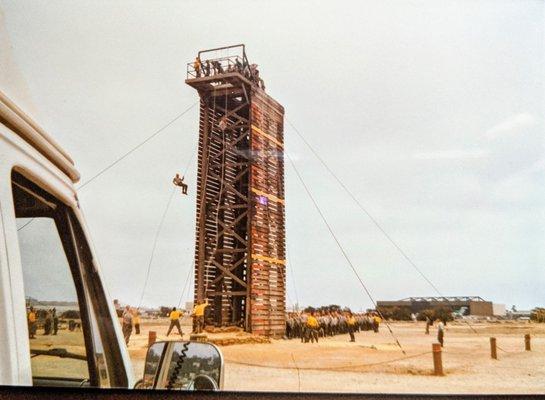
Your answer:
<point x="374" y="363"/>
<point x="72" y="342"/>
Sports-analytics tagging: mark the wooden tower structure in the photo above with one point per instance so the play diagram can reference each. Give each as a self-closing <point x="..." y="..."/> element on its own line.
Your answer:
<point x="240" y="223"/>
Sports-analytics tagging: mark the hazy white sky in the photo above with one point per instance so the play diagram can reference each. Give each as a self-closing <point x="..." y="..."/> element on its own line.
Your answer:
<point x="432" y="112"/>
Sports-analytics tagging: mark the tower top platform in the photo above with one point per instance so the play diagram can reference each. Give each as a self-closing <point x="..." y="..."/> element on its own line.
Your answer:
<point x="212" y="70"/>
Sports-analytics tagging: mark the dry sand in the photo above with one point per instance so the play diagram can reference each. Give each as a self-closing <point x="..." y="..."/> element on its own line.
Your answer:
<point x="375" y="364"/>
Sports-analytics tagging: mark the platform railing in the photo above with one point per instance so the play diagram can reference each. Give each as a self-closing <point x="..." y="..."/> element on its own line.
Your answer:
<point x="217" y="66"/>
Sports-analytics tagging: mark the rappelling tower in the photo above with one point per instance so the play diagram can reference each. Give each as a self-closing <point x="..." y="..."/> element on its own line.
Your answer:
<point x="240" y="252"/>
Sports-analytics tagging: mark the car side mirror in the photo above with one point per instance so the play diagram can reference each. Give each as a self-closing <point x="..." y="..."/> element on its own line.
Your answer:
<point x="182" y="365"/>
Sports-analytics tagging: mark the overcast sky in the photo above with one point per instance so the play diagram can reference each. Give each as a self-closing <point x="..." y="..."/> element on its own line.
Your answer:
<point x="431" y="112"/>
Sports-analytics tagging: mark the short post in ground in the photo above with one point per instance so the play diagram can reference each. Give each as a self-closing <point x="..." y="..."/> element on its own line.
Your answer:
<point x="493" y="348"/>
<point x="437" y="359"/>
<point x="152" y="337"/>
<point x="527" y="344"/>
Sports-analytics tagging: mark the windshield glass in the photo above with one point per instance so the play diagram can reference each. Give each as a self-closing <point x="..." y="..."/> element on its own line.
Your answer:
<point x="55" y="328"/>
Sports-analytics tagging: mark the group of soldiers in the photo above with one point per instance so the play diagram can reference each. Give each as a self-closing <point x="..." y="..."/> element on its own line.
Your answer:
<point x="311" y="326"/>
<point x="51" y="322"/>
<point x="131" y="318"/>
<point x="197" y="315"/>
<point x="214" y="67"/>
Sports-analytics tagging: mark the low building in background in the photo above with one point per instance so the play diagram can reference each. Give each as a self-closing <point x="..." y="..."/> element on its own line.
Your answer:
<point x="467" y="305"/>
<point x="519" y="314"/>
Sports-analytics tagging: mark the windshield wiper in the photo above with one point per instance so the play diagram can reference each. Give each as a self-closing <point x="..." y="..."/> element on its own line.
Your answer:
<point x="57" y="352"/>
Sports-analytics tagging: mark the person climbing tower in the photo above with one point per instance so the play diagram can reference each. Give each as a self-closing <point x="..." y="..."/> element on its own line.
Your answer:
<point x="223" y="123"/>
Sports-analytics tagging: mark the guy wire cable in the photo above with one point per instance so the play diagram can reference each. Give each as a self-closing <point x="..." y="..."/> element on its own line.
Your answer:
<point x="375" y="222"/>
<point x="127" y="153"/>
<point x="345" y="255"/>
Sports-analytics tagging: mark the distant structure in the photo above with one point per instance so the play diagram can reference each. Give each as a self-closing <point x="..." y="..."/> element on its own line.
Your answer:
<point x="474" y="305"/>
<point x="499" y="310"/>
<point x="240" y="227"/>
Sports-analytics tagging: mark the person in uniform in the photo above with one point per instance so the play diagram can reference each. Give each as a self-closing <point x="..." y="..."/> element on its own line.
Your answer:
<point x="428" y="324"/>
<point x="223" y="123"/>
<point x="289" y="326"/>
<point x="313" y="326"/>
<point x="304" y="328"/>
<point x="55" y="321"/>
<point x="197" y="66"/>
<point x="31" y="318"/>
<point x="126" y="325"/>
<point x="180" y="182"/>
<point x="219" y="68"/>
<point x="48" y="322"/>
<point x="376" y="322"/>
<point x="174" y="317"/>
<point x="136" y="321"/>
<point x="198" y="316"/>
<point x="351" y="325"/>
<point x="441" y="332"/>
<point x="334" y="324"/>
<point x="238" y="65"/>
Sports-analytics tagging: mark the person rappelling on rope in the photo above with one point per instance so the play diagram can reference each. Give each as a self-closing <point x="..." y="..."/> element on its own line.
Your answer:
<point x="180" y="182"/>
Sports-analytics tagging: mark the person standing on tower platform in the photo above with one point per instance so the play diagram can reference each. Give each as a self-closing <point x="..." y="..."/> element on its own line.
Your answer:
<point x="206" y="68"/>
<point x="238" y="65"/>
<point x="198" y="315"/>
<point x="175" y="321"/>
<point x="197" y="66"/>
<point x="219" y="68"/>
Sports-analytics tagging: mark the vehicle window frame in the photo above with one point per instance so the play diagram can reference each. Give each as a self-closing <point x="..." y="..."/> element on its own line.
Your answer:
<point x="97" y="296"/>
<point x="62" y="221"/>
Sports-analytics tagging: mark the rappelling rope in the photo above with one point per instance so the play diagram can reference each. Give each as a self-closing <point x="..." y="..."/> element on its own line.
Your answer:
<point x="155" y="240"/>
<point x="288" y="259"/>
<point x="159" y="228"/>
<point x="186" y="284"/>
<point x="158" y="131"/>
<point x="341" y="367"/>
<point x="345" y="255"/>
<point x="360" y="205"/>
